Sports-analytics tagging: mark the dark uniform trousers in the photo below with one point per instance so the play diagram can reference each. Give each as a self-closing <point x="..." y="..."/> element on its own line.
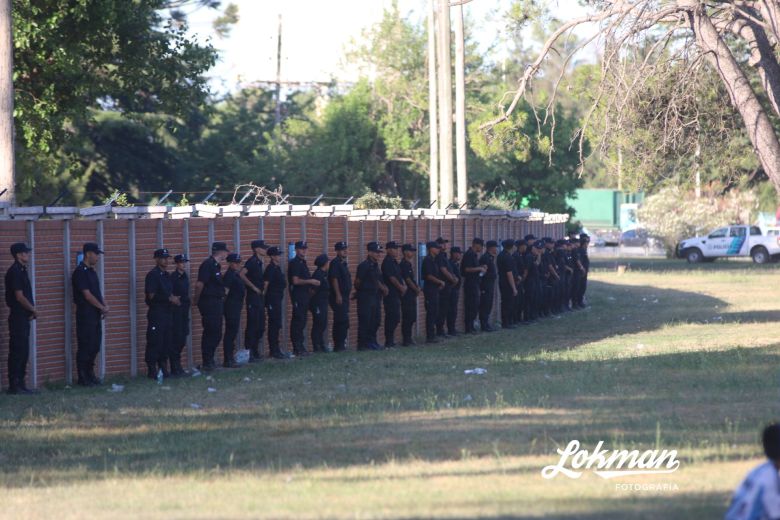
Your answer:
<point x="532" y="301"/>
<point x="180" y="329"/>
<point x="452" y="310"/>
<point x="392" y="318"/>
<point x="519" y="305"/>
<point x="470" y="304"/>
<point x="486" y="304"/>
<point x="431" y="309"/>
<point x="445" y="295"/>
<point x="211" y="315"/>
<point x="319" y="316"/>
<point x="507" y="304"/>
<point x="88" y="335"/>
<point x="273" y="305"/>
<point x="232" y="311"/>
<point x="18" y="347"/>
<point x="408" y="315"/>
<point x="368" y="320"/>
<point x="300" y="309"/>
<point x="340" y="322"/>
<point x="159" y="335"/>
<point x="579" y="295"/>
<point x="255" y="324"/>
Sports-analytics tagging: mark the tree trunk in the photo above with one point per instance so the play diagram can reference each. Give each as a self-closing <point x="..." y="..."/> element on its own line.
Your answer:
<point x="759" y="128"/>
<point x="7" y="178"/>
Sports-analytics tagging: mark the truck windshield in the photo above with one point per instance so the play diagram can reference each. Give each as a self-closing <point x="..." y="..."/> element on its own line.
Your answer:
<point x="719" y="233"/>
<point x="737" y="232"/>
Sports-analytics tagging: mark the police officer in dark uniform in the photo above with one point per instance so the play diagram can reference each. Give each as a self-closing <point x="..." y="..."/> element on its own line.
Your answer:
<point x="433" y="282"/>
<point x="369" y="287"/>
<point x="300" y="283"/>
<point x="549" y="276"/>
<point x="578" y="271"/>
<point x="19" y="299"/>
<point x="273" y="289"/>
<point x="252" y="275"/>
<point x="456" y="256"/>
<point x="90" y="311"/>
<point x="181" y="313"/>
<point x="445" y="295"/>
<point x="209" y="298"/>
<point x="507" y="275"/>
<point x="409" y="298"/>
<point x="340" y="288"/>
<point x="158" y="292"/>
<point x="487" y="285"/>
<point x="236" y="291"/>
<point x="396" y="289"/>
<point x="319" y="305"/>
<point x="564" y="271"/>
<point x="472" y="273"/>
<point x="519" y="257"/>
<point x="585" y="263"/>
<point x="533" y="280"/>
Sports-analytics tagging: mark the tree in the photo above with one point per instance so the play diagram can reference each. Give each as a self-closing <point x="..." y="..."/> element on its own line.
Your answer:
<point x="689" y="33"/>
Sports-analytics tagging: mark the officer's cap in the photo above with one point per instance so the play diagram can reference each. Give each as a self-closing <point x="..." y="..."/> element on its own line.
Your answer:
<point x="340" y="246"/>
<point x="491" y="243"/>
<point x="539" y="244"/>
<point x="321" y="260"/>
<point x="584" y="238"/>
<point x="508" y="243"/>
<point x="521" y="242"/>
<point x="530" y="237"/>
<point x="408" y="247"/>
<point x="548" y="240"/>
<point x="455" y="249"/>
<point x="391" y="245"/>
<point x="478" y="241"/>
<point x="433" y="245"/>
<point x="218" y="246"/>
<point x="92" y="247"/>
<point x="19" y="247"/>
<point x="301" y="244"/>
<point x="374" y="247"/>
<point x="161" y="253"/>
<point x="273" y="251"/>
<point x="442" y="240"/>
<point x="233" y="258"/>
<point x="180" y="259"/>
<point x="259" y="243"/>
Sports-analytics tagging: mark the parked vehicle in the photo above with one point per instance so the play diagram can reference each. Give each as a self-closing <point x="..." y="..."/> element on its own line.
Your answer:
<point x="732" y="241"/>
<point x="638" y="237"/>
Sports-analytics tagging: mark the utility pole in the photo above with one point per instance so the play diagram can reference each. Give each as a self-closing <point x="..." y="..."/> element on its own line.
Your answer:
<point x="7" y="176"/>
<point x="445" y="104"/>
<point x="432" y="111"/>
<point x="460" y="107"/>
<point x="278" y="111"/>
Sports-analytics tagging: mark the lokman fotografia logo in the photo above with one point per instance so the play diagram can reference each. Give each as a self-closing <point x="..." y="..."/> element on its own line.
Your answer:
<point x="610" y="464"/>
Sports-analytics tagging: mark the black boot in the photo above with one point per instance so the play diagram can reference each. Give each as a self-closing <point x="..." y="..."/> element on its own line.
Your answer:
<point x="163" y="365"/>
<point x="92" y="377"/>
<point x="176" y="368"/>
<point x="22" y="388"/>
<point x="13" y="386"/>
<point x="151" y="373"/>
<point x="254" y="356"/>
<point x="83" y="376"/>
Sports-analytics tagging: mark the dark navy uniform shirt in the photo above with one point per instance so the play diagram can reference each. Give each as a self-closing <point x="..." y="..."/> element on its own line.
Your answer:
<point x="519" y="259"/>
<point x="320" y="295"/>
<point x="491" y="274"/>
<point x="158" y="283"/>
<point x="16" y="279"/>
<point x="442" y="262"/>
<point x="368" y="274"/>
<point x="210" y="275"/>
<point x="505" y="264"/>
<point x="181" y="287"/>
<point x="338" y="270"/>
<point x="470" y="260"/>
<point x="430" y="267"/>
<point x="407" y="272"/>
<point x="85" y="278"/>
<point x="254" y="272"/>
<point x="235" y="286"/>
<point x="455" y="270"/>
<point x="276" y="283"/>
<point x="297" y="267"/>
<point x="530" y="263"/>
<point x="391" y="269"/>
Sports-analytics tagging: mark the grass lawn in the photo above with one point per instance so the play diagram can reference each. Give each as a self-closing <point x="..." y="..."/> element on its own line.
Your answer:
<point x="668" y="355"/>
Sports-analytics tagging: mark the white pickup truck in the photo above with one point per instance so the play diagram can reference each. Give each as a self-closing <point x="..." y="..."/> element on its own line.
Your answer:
<point x="732" y="241"/>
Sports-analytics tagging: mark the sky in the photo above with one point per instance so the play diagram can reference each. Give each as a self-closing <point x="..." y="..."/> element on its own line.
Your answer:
<point x="316" y="34"/>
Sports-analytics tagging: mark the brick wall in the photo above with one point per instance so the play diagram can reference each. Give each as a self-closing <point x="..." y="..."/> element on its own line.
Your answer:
<point x="131" y="243"/>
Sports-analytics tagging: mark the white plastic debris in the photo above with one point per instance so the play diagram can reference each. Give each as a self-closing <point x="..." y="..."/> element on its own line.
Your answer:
<point x="242" y="357"/>
<point x="212" y="390"/>
<point x="209" y="378"/>
<point x="195" y="406"/>
<point x="247" y="380"/>
<point x="467" y="398"/>
<point x="116" y="388"/>
<point x="475" y="371"/>
<point x="195" y="372"/>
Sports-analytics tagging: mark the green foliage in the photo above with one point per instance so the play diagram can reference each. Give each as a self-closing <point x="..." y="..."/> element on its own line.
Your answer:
<point x="371" y="200"/>
<point x="119" y="199"/>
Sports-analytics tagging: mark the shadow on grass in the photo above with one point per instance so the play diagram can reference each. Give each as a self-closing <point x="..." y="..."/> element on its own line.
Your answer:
<point x="417" y="405"/>
<point x="679" y="265"/>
